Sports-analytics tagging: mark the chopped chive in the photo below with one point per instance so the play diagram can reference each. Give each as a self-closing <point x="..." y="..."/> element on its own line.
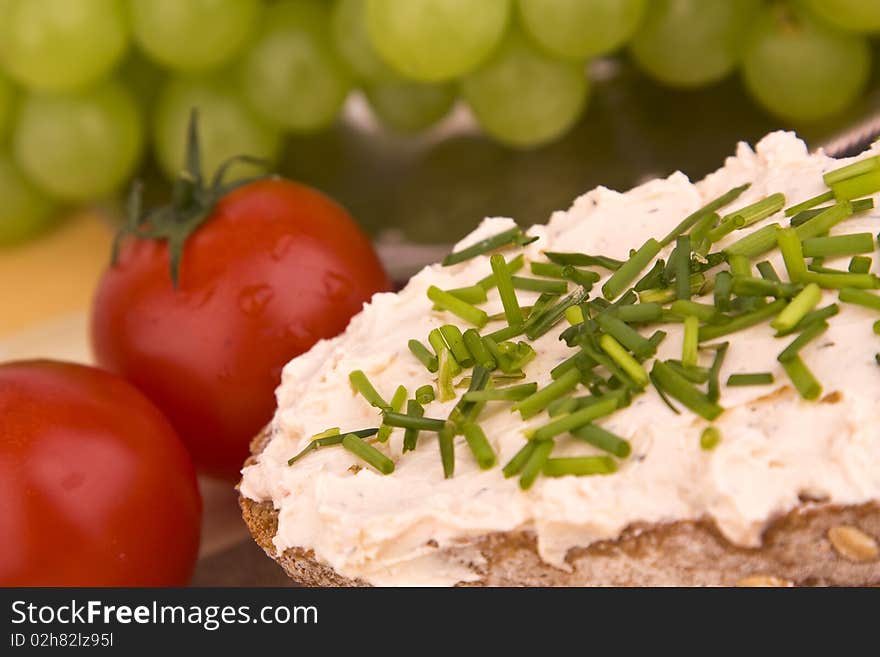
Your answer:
<point x="523" y="353"/>
<point x="604" y="440"/>
<point x="511" y="393"/>
<point x="471" y="294"/>
<point x="477" y="441"/>
<point x="538" y="326"/>
<point x="578" y="361"/>
<point x="513" y="266"/>
<point x="327" y="439"/>
<point x="425" y="394"/>
<point x="544" y="301"/>
<point x="809" y="203"/>
<point x="710" y="207"/>
<point x="505" y="289"/>
<point x="749" y="286"/>
<point x="860" y="297"/>
<point x="585" y="279"/>
<point x="628" y="271"/>
<point x="411" y="435"/>
<point x="750" y="379"/>
<point x="877" y="327"/>
<point x="502" y="239"/>
<point x="678" y="387"/>
<point x="802" y="378"/>
<point x="502" y="361"/>
<point x="445" y="374"/>
<point x="639" y="312"/>
<point x="740" y="322"/>
<point x="756" y="243"/>
<point x="702" y="311"/>
<point x="539" y="285"/>
<point x="839" y="245"/>
<point x="806" y="336"/>
<point x="843" y="279"/>
<point x="540" y="399"/>
<point x="725" y="228"/>
<point x="496" y="379"/>
<point x="362" y="385"/>
<point x="656" y="338"/>
<point x="690" y="343"/>
<point x="626" y="335"/>
<point x="683" y="267"/>
<point x="576" y="420"/>
<point x="535" y="464"/>
<point x="710" y="438"/>
<point x="424" y="356"/>
<point x="505" y="333"/>
<point x="806" y="300"/>
<point x="663" y="396"/>
<point x="653" y="279"/>
<point x="548" y="269"/>
<point x="453" y="337"/>
<point x="574" y="315"/>
<point x="562" y="406"/>
<point x="740" y="265"/>
<point x="792" y="254"/>
<point x="667" y="295"/>
<point x="410" y="422"/>
<point x="622" y="357"/>
<point x="327" y="433"/>
<point x="824" y="221"/>
<point x="456" y="306"/>
<point x="397" y="402"/>
<point x="579" y="466"/>
<point x="368" y="454"/>
<point x="852" y="170"/>
<point x="723" y="290"/>
<point x="863" y="185"/>
<point x="515" y="465"/>
<point x="583" y="260"/>
<point x="466" y="410"/>
<point x="819" y="315"/>
<point x="767" y="271"/>
<point x="445" y="439"/>
<point x="438" y="344"/>
<point x="692" y="373"/>
<point x="860" y="265"/>
<point x="759" y="210"/>
<point x="477" y="349"/>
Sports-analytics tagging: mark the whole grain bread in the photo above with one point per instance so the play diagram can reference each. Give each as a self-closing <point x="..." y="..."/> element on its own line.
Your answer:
<point x="814" y="544"/>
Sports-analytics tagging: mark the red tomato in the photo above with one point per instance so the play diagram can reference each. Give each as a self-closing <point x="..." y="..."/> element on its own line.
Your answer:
<point x="276" y="267"/>
<point x="96" y="487"/>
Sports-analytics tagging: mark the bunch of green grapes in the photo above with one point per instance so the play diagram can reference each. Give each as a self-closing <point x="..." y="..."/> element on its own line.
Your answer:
<point x="88" y="87"/>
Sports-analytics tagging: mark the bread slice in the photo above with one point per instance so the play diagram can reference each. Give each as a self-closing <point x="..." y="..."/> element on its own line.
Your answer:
<point x="814" y="544"/>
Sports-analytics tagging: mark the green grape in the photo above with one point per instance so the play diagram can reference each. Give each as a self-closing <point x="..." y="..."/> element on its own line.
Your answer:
<point x="411" y="106"/>
<point x="524" y="97"/>
<point x="800" y="69"/>
<point x="436" y="40"/>
<point x="61" y="45"/>
<point x="349" y="32"/>
<point x="193" y="35"/>
<point x="578" y="29"/>
<point x="24" y="211"/>
<point x="688" y="43"/>
<point x="80" y="146"/>
<point x="850" y="15"/>
<point x="292" y="76"/>
<point x="6" y="98"/>
<point x="227" y="127"/>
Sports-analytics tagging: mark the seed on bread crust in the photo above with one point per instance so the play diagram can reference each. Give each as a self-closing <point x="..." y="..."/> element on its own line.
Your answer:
<point x="755" y="581"/>
<point x="853" y="544"/>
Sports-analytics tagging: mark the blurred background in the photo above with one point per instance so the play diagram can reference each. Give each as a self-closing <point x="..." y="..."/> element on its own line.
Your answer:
<point x="417" y="133"/>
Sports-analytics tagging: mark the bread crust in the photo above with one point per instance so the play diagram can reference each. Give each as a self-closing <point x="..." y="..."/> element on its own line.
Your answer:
<point x="795" y="549"/>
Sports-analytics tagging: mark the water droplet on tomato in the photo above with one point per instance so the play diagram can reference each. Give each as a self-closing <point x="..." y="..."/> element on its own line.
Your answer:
<point x="253" y="299"/>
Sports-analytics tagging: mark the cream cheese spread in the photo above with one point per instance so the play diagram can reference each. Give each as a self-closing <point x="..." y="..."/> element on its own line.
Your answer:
<point x="776" y="447"/>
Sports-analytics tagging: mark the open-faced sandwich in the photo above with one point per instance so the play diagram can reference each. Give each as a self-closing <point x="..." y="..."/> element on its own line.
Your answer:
<point x="676" y="385"/>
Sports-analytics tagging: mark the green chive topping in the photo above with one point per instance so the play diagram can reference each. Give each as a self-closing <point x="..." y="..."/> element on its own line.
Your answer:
<point x="626" y="335"/>
<point x="857" y="186"/>
<point x="768" y="272"/>
<point x="709" y="208"/>
<point x="362" y="385"/>
<point x="809" y="203"/>
<point x="368" y="454"/>
<point x="516" y="464"/>
<point x="540" y="399"/>
<point x="759" y="210"/>
<point x="438" y="344"/>
<point x="479" y="444"/>
<point x="471" y="294"/>
<point x="690" y="345"/>
<point x="710" y="438"/>
<point x="579" y="466"/>
<point x="751" y="379"/>
<point x="475" y="346"/>
<point x="425" y="394"/>
<point x="580" y="277"/>
<point x="819" y="315"/>
<point x="741" y="322"/>
<point x="506" y="238"/>
<point x="756" y="243"/>
<point x="802" y="378"/>
<point x="860" y="265"/>
<point x="539" y="325"/>
<point x="539" y="285"/>
<point x="574" y="315"/>
<point x="505" y="289"/>
<point x="803" y="303"/>
<point x="454" y="339"/>
<point x="397" y="402"/>
<point x="513" y="266"/>
<point x="860" y="297"/>
<point x="713" y="387"/>
<point x="639" y="312"/>
<point x="604" y="440"/>
<point x="411" y="435"/>
<point x="575" y="420"/>
<point x="806" y="336"/>
<point x="583" y="260"/>
<point x="824" y="221"/>
<point x="456" y="306"/>
<point x="412" y="422"/>
<point x="628" y="271"/>
<point x="535" y="464"/>
<point x="424" y="356"/>
<point x="446" y="442"/>
<point x="676" y="386"/>
<point x="839" y="245"/>
<point x="853" y="170"/>
<point x="842" y="280"/>
<point x="511" y="393"/>
<point x="792" y="253"/>
<point x="445" y="374"/>
<point x="622" y="357"/>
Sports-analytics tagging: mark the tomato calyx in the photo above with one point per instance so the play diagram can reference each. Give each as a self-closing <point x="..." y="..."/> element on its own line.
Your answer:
<point x="193" y="199"/>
